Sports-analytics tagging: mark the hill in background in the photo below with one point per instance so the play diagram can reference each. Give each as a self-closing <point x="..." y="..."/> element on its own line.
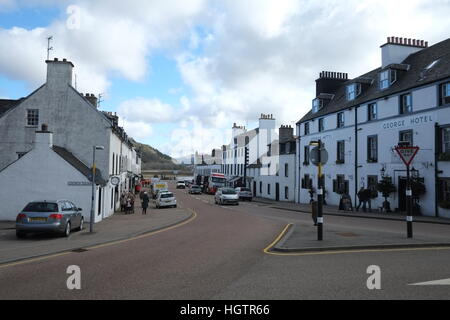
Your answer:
<point x="153" y="159"/>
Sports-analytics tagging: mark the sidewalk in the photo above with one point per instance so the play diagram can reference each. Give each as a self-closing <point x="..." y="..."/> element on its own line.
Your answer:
<point x="334" y="211"/>
<point x="116" y="228"/>
<point x="303" y="239"/>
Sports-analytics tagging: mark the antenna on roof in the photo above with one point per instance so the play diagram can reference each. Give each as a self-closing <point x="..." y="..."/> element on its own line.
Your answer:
<point x="48" y="47"/>
<point x="100" y="96"/>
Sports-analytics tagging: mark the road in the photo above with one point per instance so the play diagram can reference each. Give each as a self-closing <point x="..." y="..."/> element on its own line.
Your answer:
<point x="219" y="255"/>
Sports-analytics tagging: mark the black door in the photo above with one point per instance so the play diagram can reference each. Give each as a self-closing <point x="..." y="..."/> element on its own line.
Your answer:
<point x="277" y="192"/>
<point x="402" y="182"/>
<point x="254" y="188"/>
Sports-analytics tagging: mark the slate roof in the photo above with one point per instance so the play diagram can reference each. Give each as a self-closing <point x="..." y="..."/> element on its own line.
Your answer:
<point x="416" y="76"/>
<point x="80" y="166"/>
<point x="6" y="105"/>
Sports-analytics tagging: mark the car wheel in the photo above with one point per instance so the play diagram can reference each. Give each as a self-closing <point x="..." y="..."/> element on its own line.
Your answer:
<point x="20" y="234"/>
<point x="67" y="230"/>
<point x="81" y="225"/>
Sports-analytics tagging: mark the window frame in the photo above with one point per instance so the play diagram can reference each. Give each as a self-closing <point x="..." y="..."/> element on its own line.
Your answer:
<point x="340" y="151"/>
<point x="410" y="132"/>
<point x="321" y="124"/>
<point x="33" y="117"/>
<point x="306" y="128"/>
<point x="352" y="91"/>
<point x="370" y="158"/>
<point x="372" y="116"/>
<point x="340" y="120"/>
<point x="402" y="103"/>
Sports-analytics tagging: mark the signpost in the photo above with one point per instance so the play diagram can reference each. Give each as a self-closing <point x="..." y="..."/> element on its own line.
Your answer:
<point x="319" y="157"/>
<point x="407" y="154"/>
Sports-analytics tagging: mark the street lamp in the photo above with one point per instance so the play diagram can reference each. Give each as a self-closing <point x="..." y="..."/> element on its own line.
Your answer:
<point x="91" y="224"/>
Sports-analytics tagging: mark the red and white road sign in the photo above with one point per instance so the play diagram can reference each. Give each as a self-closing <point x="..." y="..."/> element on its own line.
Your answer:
<point x="407" y="154"/>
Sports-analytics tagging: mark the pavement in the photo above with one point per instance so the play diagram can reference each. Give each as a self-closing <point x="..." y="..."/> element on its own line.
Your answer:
<point x="302" y="237"/>
<point x="115" y="228"/>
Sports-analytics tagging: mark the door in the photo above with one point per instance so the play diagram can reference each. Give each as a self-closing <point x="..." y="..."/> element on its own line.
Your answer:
<point x="254" y="188"/>
<point x="277" y="192"/>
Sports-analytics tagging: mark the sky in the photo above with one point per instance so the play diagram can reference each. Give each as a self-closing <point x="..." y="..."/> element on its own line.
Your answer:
<point x="179" y="73"/>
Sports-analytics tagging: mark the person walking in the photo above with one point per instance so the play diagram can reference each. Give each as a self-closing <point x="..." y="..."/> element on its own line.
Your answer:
<point x="145" y="201"/>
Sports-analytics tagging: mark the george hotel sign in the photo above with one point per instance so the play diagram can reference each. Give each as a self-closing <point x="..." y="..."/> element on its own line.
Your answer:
<point x="412" y="121"/>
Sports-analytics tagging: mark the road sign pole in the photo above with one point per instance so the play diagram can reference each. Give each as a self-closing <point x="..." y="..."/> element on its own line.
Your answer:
<point x="319" y="197"/>
<point x="409" y="218"/>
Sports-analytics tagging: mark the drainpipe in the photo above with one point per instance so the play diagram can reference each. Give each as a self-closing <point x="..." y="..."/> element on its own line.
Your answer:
<point x="356" y="157"/>
<point x="436" y="169"/>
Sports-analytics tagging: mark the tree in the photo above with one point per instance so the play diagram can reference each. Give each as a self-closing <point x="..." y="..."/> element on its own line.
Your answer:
<point x="386" y="187"/>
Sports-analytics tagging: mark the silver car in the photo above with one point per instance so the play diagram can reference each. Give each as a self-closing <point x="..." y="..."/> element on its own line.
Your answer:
<point x="244" y="193"/>
<point x="60" y="216"/>
<point x="226" y="196"/>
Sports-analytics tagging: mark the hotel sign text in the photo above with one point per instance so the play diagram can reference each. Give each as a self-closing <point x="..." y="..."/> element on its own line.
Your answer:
<point x="408" y="122"/>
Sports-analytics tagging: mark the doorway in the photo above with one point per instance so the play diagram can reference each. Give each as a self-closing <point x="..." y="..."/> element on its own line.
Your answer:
<point x="277" y="192"/>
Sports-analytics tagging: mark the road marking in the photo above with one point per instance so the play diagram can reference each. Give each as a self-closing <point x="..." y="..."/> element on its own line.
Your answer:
<point x="443" y="282"/>
<point x="318" y="253"/>
<point x="277" y="239"/>
<point x="193" y="217"/>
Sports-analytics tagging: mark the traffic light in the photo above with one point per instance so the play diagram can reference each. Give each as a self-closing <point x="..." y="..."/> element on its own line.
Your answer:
<point x="246" y="156"/>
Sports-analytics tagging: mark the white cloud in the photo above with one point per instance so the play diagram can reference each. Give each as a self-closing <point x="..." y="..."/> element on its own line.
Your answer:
<point x="138" y="129"/>
<point x="148" y="110"/>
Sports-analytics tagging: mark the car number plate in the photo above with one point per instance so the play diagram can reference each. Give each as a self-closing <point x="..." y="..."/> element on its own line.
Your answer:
<point x="38" y="219"/>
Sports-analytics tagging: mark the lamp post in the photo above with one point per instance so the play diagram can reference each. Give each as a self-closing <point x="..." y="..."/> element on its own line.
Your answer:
<point x="91" y="224"/>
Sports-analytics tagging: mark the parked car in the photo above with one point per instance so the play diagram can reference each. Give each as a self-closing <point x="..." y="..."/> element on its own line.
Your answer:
<point x="195" y="189"/>
<point x="181" y="185"/>
<point x="226" y="196"/>
<point x="244" y="194"/>
<point x="60" y="216"/>
<point x="166" y="199"/>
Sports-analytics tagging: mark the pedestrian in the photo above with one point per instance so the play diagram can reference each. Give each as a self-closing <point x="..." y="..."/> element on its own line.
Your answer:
<point x="145" y="201"/>
<point x="364" y="199"/>
<point x="122" y="201"/>
<point x="128" y="205"/>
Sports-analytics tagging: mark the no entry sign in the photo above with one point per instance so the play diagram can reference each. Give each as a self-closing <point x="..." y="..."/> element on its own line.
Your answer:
<point x="407" y="154"/>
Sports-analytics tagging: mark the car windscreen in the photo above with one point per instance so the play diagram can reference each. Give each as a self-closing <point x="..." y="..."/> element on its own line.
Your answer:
<point x="195" y="187"/>
<point x="218" y="180"/>
<point x="41" y="207"/>
<point x="228" y="191"/>
<point x="166" y="195"/>
<point x="245" y="189"/>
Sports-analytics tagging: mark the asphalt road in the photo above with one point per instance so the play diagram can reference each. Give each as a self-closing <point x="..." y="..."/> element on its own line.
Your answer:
<point x="219" y="255"/>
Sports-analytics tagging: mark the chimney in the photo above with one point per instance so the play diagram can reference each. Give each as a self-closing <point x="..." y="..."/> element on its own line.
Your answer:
<point x="396" y="50"/>
<point x="43" y="138"/>
<point x="329" y="82"/>
<point x="92" y="99"/>
<point x="59" y="73"/>
<point x="286" y="133"/>
<point x="237" y="130"/>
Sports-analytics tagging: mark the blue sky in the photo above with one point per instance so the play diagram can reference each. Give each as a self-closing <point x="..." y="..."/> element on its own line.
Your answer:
<point x="179" y="73"/>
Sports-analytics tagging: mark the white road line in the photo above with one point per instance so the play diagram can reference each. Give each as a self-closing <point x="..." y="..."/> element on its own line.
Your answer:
<point x="443" y="282"/>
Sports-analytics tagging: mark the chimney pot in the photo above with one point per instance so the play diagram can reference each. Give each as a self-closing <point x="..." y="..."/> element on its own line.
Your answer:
<point x="44" y="127"/>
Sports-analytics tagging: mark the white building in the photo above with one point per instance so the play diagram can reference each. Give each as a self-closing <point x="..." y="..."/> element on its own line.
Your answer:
<point x="77" y="125"/>
<point x="274" y="175"/>
<point x="406" y="100"/>
<point x="47" y="172"/>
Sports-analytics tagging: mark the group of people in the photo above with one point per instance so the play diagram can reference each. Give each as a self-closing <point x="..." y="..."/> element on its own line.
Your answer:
<point x="127" y="200"/>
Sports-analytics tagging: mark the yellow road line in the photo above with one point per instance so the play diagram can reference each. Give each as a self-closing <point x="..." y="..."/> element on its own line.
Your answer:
<point x="194" y="215"/>
<point x="266" y="250"/>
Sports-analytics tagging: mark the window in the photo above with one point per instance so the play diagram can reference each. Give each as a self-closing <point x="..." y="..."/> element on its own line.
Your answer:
<point x="317" y="104"/>
<point x="340" y="185"/>
<point x="286" y="170"/>
<point x="444" y="190"/>
<point x="372" y="112"/>
<point x="445" y="140"/>
<point x="306" y="128"/>
<point x="387" y="78"/>
<point x="268" y="188"/>
<point x="372" y="149"/>
<point x="306" y="159"/>
<point x="340" y="120"/>
<point x="353" y="91"/>
<point x="340" y="152"/>
<point x="286" y="193"/>
<point x="406" y="138"/>
<point x="306" y="182"/>
<point x="445" y="94"/>
<point x="32" y="117"/>
<point x="260" y="187"/>
<point x="405" y="103"/>
<point x="321" y="124"/>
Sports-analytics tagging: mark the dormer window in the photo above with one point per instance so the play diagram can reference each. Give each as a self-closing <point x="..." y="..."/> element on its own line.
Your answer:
<point x="353" y="91"/>
<point x="317" y="105"/>
<point x="387" y="78"/>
